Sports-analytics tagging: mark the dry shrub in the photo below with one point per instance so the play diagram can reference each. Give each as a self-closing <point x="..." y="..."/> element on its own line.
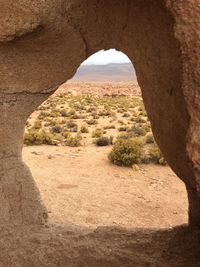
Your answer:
<point x="126" y="152"/>
<point x="34" y="137"/>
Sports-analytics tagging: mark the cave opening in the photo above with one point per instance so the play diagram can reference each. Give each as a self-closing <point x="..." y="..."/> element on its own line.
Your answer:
<point x="94" y="131"/>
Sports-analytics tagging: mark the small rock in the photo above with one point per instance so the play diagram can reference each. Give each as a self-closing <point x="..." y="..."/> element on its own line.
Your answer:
<point x="36" y="153"/>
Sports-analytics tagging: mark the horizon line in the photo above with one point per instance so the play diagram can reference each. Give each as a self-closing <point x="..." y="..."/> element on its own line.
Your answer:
<point x="111" y="63"/>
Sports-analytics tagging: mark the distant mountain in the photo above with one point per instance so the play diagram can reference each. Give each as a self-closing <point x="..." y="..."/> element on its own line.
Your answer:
<point x="105" y="73"/>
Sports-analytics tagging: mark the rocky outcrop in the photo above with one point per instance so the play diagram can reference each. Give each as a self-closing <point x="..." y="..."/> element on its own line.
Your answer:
<point x="42" y="43"/>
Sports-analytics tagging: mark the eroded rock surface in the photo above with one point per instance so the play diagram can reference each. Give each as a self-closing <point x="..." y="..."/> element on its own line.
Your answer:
<point x="42" y="43"/>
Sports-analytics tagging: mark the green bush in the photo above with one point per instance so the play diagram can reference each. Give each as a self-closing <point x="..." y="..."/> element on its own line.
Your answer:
<point x="121" y="122"/>
<point x="43" y="115"/>
<point x="50" y="122"/>
<point x="71" y="112"/>
<point x="84" y="129"/>
<point x="123" y="128"/>
<point x="37" y="125"/>
<point x="126" y="152"/>
<point x="63" y="121"/>
<point x="103" y="141"/>
<point x="120" y="110"/>
<point x="91" y="109"/>
<point x="73" y="141"/>
<point x="54" y="113"/>
<point x="139" y="119"/>
<point x="155" y="155"/>
<point x="66" y="134"/>
<point x="34" y="137"/>
<point x="108" y="127"/>
<point x="97" y="133"/>
<point x="56" y="129"/>
<point x="138" y="130"/>
<point x="92" y="122"/>
<point x="126" y="115"/>
<point x="75" y="117"/>
<point x="72" y="126"/>
<point x="105" y="113"/>
<point x="124" y="135"/>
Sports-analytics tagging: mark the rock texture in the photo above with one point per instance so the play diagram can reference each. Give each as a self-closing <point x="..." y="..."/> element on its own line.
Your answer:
<point x="42" y="43"/>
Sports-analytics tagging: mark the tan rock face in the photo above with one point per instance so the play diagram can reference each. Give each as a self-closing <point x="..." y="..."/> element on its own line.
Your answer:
<point x="42" y="43"/>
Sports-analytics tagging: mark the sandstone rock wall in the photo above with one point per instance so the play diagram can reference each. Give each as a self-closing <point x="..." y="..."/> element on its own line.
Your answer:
<point x="42" y="43"/>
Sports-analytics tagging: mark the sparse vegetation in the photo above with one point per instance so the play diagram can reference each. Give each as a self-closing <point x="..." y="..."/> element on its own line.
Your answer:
<point x="34" y="137"/>
<point x="97" y="133"/>
<point x="122" y="128"/>
<point x="138" y="130"/>
<point x="56" y="129"/>
<point x="155" y="155"/>
<point x="71" y="124"/>
<point x="92" y="122"/>
<point x="126" y="152"/>
<point x="73" y="141"/>
<point x="84" y="129"/>
<point x="103" y="141"/>
<point x="62" y="118"/>
<point x="108" y="127"/>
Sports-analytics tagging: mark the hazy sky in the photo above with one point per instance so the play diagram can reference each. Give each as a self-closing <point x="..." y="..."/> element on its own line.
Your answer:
<point x="106" y="57"/>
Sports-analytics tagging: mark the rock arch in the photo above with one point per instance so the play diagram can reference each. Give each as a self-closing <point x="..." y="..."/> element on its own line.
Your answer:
<point x="42" y="43"/>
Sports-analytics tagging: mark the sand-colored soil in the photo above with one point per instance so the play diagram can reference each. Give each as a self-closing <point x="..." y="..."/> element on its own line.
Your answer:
<point x="80" y="186"/>
<point x="102" y="215"/>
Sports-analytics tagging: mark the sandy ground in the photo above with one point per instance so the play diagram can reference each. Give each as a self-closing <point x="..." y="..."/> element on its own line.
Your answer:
<point x="102" y="215"/>
<point x="80" y="186"/>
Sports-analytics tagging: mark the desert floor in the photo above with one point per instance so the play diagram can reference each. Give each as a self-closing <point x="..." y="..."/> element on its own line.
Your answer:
<point x="80" y="186"/>
<point x="102" y="215"/>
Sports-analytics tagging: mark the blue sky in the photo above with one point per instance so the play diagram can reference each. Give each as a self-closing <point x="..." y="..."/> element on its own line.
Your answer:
<point x="105" y="57"/>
